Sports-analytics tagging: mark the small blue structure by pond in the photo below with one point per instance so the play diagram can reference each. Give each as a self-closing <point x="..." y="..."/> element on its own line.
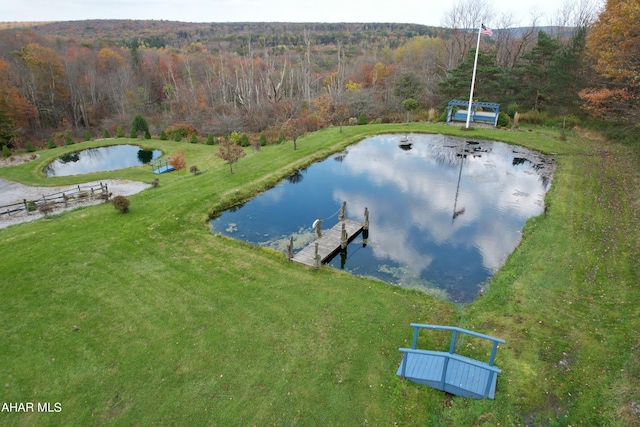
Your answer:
<point x="486" y="112"/>
<point x="449" y="371"/>
<point x="161" y="166"/>
<point x="100" y="159"/>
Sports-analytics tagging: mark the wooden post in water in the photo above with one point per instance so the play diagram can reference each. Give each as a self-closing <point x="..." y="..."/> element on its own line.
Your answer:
<point x="343" y="212"/>
<point x="290" y="249"/>
<point x="316" y="257"/>
<point x="343" y="237"/>
<point x="317" y="224"/>
<point x="365" y="224"/>
<point x="365" y="227"/>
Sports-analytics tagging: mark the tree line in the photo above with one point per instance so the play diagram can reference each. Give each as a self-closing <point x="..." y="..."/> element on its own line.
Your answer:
<point x="255" y="78"/>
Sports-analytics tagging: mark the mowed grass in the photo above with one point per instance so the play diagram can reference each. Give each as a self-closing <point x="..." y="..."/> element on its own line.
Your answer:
<point x="149" y="319"/>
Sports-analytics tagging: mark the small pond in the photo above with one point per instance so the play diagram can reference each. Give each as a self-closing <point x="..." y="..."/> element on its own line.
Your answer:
<point x="100" y="159"/>
<point x="444" y="212"/>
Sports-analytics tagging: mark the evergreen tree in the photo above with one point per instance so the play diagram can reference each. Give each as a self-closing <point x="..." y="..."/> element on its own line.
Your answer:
<point x="567" y="75"/>
<point x="490" y="82"/>
<point x="531" y="82"/>
<point x="139" y="126"/>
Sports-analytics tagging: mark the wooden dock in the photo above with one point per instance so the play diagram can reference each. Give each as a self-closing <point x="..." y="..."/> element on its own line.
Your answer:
<point x="329" y="243"/>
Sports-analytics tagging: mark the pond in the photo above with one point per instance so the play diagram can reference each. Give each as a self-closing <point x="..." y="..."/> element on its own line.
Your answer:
<point x="100" y="159"/>
<point x="444" y="212"/>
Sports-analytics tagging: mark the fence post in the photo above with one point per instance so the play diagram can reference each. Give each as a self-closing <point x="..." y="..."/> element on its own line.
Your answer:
<point x="64" y="198"/>
<point x="26" y="206"/>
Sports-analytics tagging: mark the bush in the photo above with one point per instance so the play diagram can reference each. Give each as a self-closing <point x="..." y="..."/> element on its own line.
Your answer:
<point x="133" y="134"/>
<point x="163" y="136"/>
<point x="353" y="121"/>
<point x="512" y="109"/>
<point x="105" y="134"/>
<point x="51" y="143"/>
<point x="68" y="141"/>
<point x="194" y="138"/>
<point x="45" y="209"/>
<point x="182" y="129"/>
<point x="194" y="170"/>
<point x="177" y="137"/>
<point x="147" y="134"/>
<point x="362" y="120"/>
<point x="29" y="147"/>
<point x="210" y="140"/>
<point x="533" y="117"/>
<point x="119" y="132"/>
<point x="121" y="204"/>
<point x="243" y="141"/>
<point x="88" y="136"/>
<point x="5" y="151"/>
<point x="503" y="119"/>
<point x="263" y="140"/>
<point x="155" y="182"/>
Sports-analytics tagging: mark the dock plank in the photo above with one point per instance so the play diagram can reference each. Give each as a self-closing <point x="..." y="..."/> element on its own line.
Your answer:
<point x="328" y="243"/>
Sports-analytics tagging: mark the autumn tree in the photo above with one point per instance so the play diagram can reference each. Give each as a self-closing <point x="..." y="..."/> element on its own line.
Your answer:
<point x="178" y="160"/>
<point x="15" y="110"/>
<point x="230" y="152"/>
<point x="45" y="83"/>
<point x="339" y="114"/>
<point x="293" y="129"/>
<point x="614" y="43"/>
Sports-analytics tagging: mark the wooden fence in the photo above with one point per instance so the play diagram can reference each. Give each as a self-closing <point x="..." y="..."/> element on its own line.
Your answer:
<point x="53" y="200"/>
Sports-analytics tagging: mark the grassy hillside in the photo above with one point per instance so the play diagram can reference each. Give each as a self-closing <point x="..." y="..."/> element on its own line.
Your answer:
<point x="148" y="318"/>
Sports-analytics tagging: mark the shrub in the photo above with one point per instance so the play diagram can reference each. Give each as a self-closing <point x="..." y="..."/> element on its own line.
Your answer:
<point x="362" y="119"/>
<point x="353" y="121"/>
<point x="121" y="204"/>
<point x="32" y="206"/>
<point x="133" y="134"/>
<point x="177" y="137"/>
<point x="104" y="196"/>
<point x="512" y="109"/>
<point x="147" y="134"/>
<point x="29" y="147"/>
<point x="5" y="151"/>
<point x="262" y="140"/>
<point x="119" y="132"/>
<point x="88" y="136"/>
<point x="534" y="117"/>
<point x="68" y="140"/>
<point x="210" y="140"/>
<point x="163" y="136"/>
<point x="51" y="143"/>
<point x="243" y="141"/>
<point x="45" y="209"/>
<point x="155" y="182"/>
<point x="503" y="119"/>
<point x="194" y="138"/>
<point x="183" y="129"/>
<point x="194" y="170"/>
<point x="178" y="160"/>
<point x="105" y="134"/>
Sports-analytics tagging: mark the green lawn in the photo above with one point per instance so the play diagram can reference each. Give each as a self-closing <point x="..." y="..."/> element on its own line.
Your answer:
<point x="149" y="319"/>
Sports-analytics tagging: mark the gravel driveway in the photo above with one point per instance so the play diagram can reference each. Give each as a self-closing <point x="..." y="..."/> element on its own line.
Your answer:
<point x="14" y="192"/>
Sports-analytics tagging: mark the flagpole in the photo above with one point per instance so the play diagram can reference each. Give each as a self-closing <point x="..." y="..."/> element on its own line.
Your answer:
<point x="473" y="78"/>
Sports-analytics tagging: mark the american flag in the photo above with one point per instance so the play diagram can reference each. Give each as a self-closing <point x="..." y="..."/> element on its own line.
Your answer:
<point x="486" y="30"/>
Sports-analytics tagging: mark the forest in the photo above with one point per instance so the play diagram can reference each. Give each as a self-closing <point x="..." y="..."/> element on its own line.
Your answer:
<point x="88" y="78"/>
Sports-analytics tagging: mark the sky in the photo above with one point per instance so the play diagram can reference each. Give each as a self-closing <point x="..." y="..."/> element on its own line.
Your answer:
<point x="425" y="12"/>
